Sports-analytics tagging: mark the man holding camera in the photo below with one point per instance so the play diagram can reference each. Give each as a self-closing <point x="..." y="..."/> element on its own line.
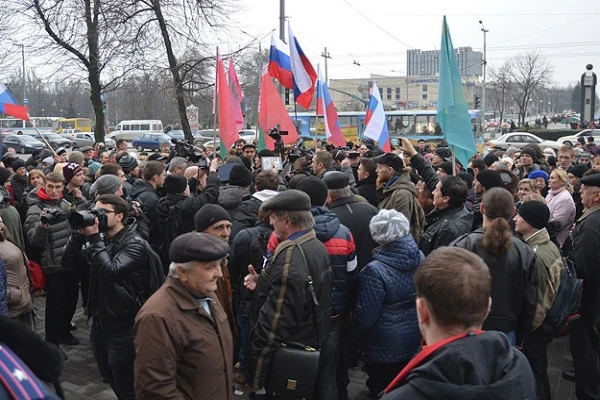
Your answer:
<point x="119" y="280"/>
<point x="48" y="230"/>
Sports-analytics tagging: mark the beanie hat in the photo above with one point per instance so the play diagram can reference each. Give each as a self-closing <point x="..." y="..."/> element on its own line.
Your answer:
<point x="443" y="152"/>
<point x="128" y="163"/>
<point x="76" y="157"/>
<point x="46" y="153"/>
<point x="538" y="174"/>
<point x="535" y="213"/>
<point x="530" y="152"/>
<point x="208" y="215"/>
<point x="389" y="226"/>
<point x="240" y="176"/>
<point x="106" y="184"/>
<point x="316" y="189"/>
<point x="490" y="179"/>
<point x="175" y="184"/>
<point x="18" y="163"/>
<point x="489" y="159"/>
<point x="93" y="167"/>
<point x="446" y="166"/>
<point x="577" y="170"/>
<point x="4" y="175"/>
<point x="70" y="170"/>
<point x="48" y="160"/>
<point x="266" y="153"/>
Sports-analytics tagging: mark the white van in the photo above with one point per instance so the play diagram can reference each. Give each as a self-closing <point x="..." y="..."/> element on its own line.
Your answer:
<point x="131" y="129"/>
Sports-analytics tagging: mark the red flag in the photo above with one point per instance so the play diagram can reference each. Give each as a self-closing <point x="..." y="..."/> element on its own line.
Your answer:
<point x="9" y="106"/>
<point x="271" y="112"/>
<point x="236" y="96"/>
<point x="227" y="119"/>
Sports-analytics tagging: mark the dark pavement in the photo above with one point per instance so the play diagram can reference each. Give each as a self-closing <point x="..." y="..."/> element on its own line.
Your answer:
<point x="81" y="379"/>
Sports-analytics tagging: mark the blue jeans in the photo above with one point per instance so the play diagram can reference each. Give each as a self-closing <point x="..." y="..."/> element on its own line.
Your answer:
<point x="114" y="353"/>
<point x="512" y="338"/>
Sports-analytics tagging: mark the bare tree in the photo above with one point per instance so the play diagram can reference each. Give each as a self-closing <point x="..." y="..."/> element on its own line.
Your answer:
<point x="88" y="35"/>
<point x="499" y="88"/>
<point x="251" y="73"/>
<point x="527" y="73"/>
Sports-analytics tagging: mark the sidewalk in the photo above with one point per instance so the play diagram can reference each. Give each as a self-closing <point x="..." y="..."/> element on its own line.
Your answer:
<point x="81" y="379"/>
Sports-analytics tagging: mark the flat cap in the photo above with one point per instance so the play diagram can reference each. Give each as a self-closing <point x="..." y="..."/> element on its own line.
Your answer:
<point x="391" y="160"/>
<point x="490" y="178"/>
<point x="336" y="180"/>
<point x="194" y="246"/>
<point x="247" y="145"/>
<point x="444" y="153"/>
<point x="290" y="200"/>
<point x="86" y="148"/>
<point x="591" y="180"/>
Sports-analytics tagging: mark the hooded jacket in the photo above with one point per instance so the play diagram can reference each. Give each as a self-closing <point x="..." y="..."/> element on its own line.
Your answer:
<point x="483" y="366"/>
<point x="443" y="226"/>
<point x="400" y="194"/>
<point x="514" y="284"/>
<point x="385" y="317"/>
<point x="230" y="198"/>
<point x="247" y="213"/>
<point x="340" y="246"/>
<point x="51" y="240"/>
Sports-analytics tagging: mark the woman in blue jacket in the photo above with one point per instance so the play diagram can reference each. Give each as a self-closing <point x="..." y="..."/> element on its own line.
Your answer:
<point x="385" y="317"/>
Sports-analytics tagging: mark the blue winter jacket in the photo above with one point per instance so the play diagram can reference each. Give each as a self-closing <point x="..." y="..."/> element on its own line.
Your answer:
<point x="385" y="317"/>
<point x="341" y="249"/>
<point x="3" y="288"/>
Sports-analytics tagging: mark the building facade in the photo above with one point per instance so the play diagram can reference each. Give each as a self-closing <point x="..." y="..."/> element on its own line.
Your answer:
<point x="427" y="62"/>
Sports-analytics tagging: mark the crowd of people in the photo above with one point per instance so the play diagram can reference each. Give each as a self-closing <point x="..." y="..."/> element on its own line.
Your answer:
<point x="200" y="275"/>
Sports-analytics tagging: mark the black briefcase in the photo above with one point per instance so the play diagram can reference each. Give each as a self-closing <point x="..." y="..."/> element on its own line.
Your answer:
<point x="294" y="370"/>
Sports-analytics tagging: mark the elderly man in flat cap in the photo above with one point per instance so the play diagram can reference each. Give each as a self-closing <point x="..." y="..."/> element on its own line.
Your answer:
<point x="183" y="343"/>
<point x="584" y="337"/>
<point x="283" y="292"/>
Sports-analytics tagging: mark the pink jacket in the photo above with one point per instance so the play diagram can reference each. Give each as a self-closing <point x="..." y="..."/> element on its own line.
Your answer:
<point x="562" y="210"/>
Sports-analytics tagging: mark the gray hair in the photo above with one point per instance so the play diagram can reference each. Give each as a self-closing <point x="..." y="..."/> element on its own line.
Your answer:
<point x="173" y="267"/>
<point x="177" y="162"/>
<point x="340" y="193"/>
<point x="388" y="226"/>
<point x="298" y="219"/>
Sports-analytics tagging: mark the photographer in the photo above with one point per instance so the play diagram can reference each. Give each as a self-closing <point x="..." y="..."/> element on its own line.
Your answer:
<point x="118" y="278"/>
<point x="48" y="230"/>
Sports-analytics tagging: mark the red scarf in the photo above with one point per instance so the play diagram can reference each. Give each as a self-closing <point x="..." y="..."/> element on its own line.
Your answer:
<point x="41" y="193"/>
<point x="423" y="355"/>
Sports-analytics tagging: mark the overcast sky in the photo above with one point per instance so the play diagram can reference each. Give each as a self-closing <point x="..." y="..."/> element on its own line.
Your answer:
<point x="377" y="33"/>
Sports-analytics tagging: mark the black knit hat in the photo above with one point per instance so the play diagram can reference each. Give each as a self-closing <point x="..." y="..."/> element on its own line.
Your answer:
<point x="577" y="170"/>
<point x="530" y="152"/>
<point x="535" y="213"/>
<point x="240" y="176"/>
<point x="128" y="163"/>
<point x="490" y="179"/>
<point x="175" y="184"/>
<point x="316" y="189"/>
<point x="489" y="159"/>
<point x="446" y="166"/>
<point x="208" y="215"/>
<point x="4" y="175"/>
<point x="444" y="153"/>
<point x="18" y="163"/>
<point x="391" y="160"/>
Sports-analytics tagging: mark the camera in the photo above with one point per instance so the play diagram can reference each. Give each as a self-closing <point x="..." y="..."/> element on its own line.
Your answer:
<point x="276" y="134"/>
<point x="189" y="152"/>
<point x="53" y="217"/>
<point x="83" y="219"/>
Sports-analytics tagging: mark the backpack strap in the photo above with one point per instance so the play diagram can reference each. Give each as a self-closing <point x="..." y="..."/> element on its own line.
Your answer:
<point x="18" y="379"/>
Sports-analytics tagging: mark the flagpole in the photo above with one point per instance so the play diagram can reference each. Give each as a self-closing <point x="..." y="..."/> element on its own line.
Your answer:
<point x="216" y="105"/>
<point x="42" y="136"/>
<point x="453" y="160"/>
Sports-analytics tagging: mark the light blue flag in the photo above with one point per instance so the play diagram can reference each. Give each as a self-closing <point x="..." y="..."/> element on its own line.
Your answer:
<point x="452" y="112"/>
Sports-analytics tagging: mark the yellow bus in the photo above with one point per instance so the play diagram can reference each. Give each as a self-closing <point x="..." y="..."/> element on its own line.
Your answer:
<point x="83" y="124"/>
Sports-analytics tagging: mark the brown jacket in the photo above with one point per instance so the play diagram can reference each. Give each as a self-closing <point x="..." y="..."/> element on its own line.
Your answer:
<point x="181" y="351"/>
<point x="17" y="287"/>
<point x="401" y="195"/>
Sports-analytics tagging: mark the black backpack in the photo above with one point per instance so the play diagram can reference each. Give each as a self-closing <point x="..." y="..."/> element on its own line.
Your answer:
<point x="173" y="228"/>
<point x="155" y="280"/>
<point x="565" y="307"/>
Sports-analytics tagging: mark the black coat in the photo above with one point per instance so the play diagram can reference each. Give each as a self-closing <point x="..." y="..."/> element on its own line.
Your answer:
<point x="148" y="197"/>
<point x="286" y="311"/>
<point x="477" y="367"/>
<point x="514" y="284"/>
<point x="368" y="189"/>
<point x="586" y="248"/>
<point x="356" y="216"/>
<point x="118" y="273"/>
<point x="246" y="215"/>
<point x="444" y="226"/>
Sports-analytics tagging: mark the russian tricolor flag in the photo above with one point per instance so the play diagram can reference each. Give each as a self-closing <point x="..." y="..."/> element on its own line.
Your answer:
<point x="303" y="72"/>
<point x="326" y="108"/>
<point x="280" y="65"/>
<point x="9" y="106"/>
<point x="375" y="123"/>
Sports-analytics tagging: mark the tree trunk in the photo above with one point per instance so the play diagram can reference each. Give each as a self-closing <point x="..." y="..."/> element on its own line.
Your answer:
<point x="185" y="124"/>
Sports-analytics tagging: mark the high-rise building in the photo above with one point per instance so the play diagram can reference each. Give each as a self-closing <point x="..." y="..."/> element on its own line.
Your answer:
<point x="426" y="62"/>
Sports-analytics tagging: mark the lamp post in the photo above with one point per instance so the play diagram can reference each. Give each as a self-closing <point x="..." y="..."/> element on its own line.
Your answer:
<point x="485" y="31"/>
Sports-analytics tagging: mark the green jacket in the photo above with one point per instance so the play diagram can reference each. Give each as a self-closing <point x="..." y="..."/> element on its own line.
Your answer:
<point x="549" y="263"/>
<point x="401" y="196"/>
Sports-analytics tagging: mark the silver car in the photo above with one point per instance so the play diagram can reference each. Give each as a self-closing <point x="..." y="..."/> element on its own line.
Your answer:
<point x="519" y="140"/>
<point x="83" y="139"/>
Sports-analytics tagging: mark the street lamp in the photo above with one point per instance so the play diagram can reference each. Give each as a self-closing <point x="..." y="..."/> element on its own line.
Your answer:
<point x="485" y="31"/>
<point x="257" y="39"/>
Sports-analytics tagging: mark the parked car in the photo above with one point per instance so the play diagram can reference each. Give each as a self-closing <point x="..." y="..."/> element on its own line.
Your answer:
<point x="23" y="143"/>
<point x="151" y="141"/>
<point x="70" y="133"/>
<point x="520" y="139"/>
<point x="54" y="139"/>
<point x="87" y="139"/>
<point x="176" y="134"/>
<point x="206" y="134"/>
<point x="571" y="140"/>
<point x="248" y="135"/>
